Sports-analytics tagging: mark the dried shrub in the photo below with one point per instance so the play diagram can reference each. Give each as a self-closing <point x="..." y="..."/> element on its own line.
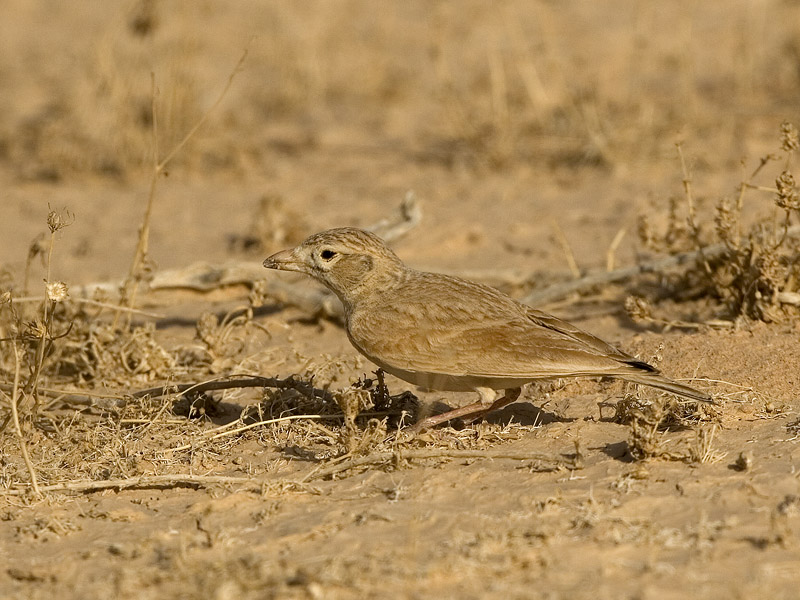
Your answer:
<point x="650" y="421"/>
<point x="751" y="271"/>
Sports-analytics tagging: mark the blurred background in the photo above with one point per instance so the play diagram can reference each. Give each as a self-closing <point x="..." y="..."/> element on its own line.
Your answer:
<point x="502" y="117"/>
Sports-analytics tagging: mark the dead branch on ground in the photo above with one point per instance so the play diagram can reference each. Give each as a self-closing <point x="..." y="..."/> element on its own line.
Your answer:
<point x="111" y="402"/>
<point x="548" y="462"/>
<point x="658" y="265"/>
<point x="394" y="228"/>
<point x="161" y="482"/>
<point x="248" y="381"/>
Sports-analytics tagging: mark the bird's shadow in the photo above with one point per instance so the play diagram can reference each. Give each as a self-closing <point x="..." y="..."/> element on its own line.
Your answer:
<point x="205" y="406"/>
<point x="522" y="413"/>
<point x="525" y="413"/>
<point x="222" y="315"/>
<point x="618" y="451"/>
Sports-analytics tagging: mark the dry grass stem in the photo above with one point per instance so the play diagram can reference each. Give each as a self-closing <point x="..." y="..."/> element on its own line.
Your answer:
<point x="211" y="436"/>
<point x="702" y="451"/>
<point x="15" y="397"/>
<point x="91" y="302"/>
<point x="690" y="204"/>
<point x="566" y="248"/>
<point x="612" y="248"/>
<point x="138" y="269"/>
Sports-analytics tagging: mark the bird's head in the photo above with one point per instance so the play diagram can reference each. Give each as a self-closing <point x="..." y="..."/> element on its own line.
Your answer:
<point x="344" y="259"/>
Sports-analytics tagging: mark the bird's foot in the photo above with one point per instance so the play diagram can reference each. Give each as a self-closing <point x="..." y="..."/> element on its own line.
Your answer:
<point x="510" y="397"/>
<point x="467" y="414"/>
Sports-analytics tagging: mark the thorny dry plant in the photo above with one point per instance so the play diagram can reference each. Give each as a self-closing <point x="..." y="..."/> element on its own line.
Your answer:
<point x="651" y="415"/>
<point x="650" y="422"/>
<point x="757" y="273"/>
<point x="142" y="265"/>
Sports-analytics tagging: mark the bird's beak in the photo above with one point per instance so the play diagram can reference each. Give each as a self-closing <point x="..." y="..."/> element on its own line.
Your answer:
<point x="285" y="260"/>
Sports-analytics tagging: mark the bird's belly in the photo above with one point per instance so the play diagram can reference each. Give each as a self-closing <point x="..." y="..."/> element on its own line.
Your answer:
<point x="450" y="383"/>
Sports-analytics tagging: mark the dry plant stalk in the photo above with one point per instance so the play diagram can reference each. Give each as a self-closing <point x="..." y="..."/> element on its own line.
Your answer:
<point x="32" y="337"/>
<point x="650" y="420"/>
<point x="566" y="248"/>
<point x="39" y="332"/>
<point x="754" y="274"/>
<point x="14" y="401"/>
<point x="140" y="265"/>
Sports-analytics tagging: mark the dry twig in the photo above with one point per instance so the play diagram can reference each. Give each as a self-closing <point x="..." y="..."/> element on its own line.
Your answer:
<point x="161" y="482"/>
<point x="15" y="396"/>
<point x="210" y="436"/>
<point x="224" y="430"/>
<point x="550" y="461"/>
<point x="410" y="215"/>
<point x="567" y="249"/>
<point x="246" y="381"/>
<point x="260" y="485"/>
<point x="612" y="248"/>
<point x="140" y="257"/>
<point x="659" y="265"/>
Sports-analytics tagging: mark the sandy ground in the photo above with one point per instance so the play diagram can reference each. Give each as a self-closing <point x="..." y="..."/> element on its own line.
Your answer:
<point x="530" y="133"/>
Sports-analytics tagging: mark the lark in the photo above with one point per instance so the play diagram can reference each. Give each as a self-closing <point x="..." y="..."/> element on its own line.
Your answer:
<point x="447" y="333"/>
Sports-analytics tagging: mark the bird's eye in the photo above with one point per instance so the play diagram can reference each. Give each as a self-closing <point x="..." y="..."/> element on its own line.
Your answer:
<point x="327" y="254"/>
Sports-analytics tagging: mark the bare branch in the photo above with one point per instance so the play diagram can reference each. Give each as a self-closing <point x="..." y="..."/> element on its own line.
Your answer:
<point x="659" y="265"/>
<point x="162" y="482"/>
<point x="247" y="381"/>
<point x="547" y="462"/>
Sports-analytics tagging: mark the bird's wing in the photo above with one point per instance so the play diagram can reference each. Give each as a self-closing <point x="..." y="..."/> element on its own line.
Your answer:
<point x="585" y="338"/>
<point x="522" y="344"/>
<point x="518" y="349"/>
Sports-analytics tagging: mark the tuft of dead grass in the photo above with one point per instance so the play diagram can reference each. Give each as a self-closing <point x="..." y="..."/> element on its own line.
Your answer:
<point x="651" y="418"/>
<point x="753" y="271"/>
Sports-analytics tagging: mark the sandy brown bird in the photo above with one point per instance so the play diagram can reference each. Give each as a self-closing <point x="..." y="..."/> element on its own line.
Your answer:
<point x="446" y="333"/>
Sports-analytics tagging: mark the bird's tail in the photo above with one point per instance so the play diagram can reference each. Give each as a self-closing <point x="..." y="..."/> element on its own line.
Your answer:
<point x="660" y="382"/>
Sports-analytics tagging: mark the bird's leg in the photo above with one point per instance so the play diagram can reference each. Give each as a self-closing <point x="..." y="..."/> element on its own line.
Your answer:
<point x="509" y="398"/>
<point x="470" y="412"/>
